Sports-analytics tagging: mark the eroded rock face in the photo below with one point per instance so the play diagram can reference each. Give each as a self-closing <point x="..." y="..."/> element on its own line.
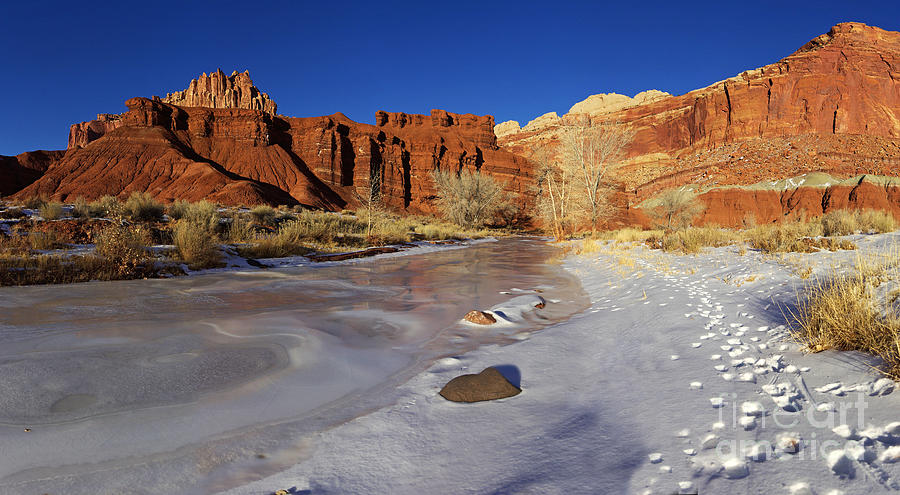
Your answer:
<point x="612" y="102"/>
<point x="490" y="384"/>
<point x="82" y="133"/>
<point x="244" y="156"/>
<point x="731" y="207"/>
<point x="215" y="90"/>
<point x="833" y="106"/>
<point x="220" y="91"/>
<point x="17" y="172"/>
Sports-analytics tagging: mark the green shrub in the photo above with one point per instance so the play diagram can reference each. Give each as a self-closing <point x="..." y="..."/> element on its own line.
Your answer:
<point x="203" y="214"/>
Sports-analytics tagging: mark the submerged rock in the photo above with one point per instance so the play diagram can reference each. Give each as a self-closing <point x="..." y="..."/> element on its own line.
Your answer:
<point x="490" y="384"/>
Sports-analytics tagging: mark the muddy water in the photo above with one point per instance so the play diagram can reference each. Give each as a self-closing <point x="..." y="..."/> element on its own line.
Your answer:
<point x="191" y="385"/>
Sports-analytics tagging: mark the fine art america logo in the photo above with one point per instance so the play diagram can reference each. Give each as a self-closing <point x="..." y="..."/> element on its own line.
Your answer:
<point x="850" y="437"/>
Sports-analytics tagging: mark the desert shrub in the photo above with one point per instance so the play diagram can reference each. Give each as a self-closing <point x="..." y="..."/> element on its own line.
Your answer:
<point x="142" y="207"/>
<point x="51" y="210"/>
<point x="840" y="222"/>
<point x="469" y="199"/>
<point x="692" y="239"/>
<point x="202" y="214"/>
<point x="783" y="237"/>
<point x="82" y="209"/>
<point x="676" y="209"/>
<point x="43" y="241"/>
<point x="438" y="232"/>
<point x="34" y="202"/>
<point x="123" y="245"/>
<point x="12" y="213"/>
<point x="264" y="214"/>
<point x="877" y="221"/>
<point x="178" y="209"/>
<point x="196" y="245"/>
<point x="107" y="206"/>
<point x="272" y="247"/>
<point x="240" y="230"/>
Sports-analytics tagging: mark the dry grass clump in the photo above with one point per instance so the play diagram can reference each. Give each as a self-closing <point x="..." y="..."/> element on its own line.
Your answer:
<point x="590" y="246"/>
<point x="123" y="245"/>
<point x="196" y="245"/>
<point x="842" y="313"/>
<point x="12" y="213"/>
<point x="19" y="245"/>
<point x="82" y="209"/>
<point x="51" y="210"/>
<point x="239" y="230"/>
<point x="796" y="237"/>
<point x="107" y="206"/>
<point x="34" y="202"/>
<point x="264" y="214"/>
<point x="202" y="213"/>
<point x="846" y="222"/>
<point x="273" y="247"/>
<point x="333" y="232"/>
<point x="692" y="239"/>
<point x="142" y="207"/>
<point x="878" y="221"/>
<point x="44" y="269"/>
<point x="438" y="232"/>
<point x="43" y="241"/>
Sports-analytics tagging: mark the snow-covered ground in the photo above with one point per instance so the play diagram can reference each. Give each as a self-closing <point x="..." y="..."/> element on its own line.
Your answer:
<point x="679" y="378"/>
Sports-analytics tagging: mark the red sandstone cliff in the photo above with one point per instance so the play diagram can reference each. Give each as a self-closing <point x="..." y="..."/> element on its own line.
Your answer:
<point x="242" y="156"/>
<point x="82" y="133"/>
<point x="21" y="170"/>
<point x="833" y="105"/>
<point x="215" y="90"/>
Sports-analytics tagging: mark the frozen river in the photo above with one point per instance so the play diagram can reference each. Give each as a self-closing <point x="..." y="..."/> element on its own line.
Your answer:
<point x="198" y="384"/>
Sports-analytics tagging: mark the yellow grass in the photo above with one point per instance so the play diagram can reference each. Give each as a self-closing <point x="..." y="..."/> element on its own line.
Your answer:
<point x="196" y="245"/>
<point x="842" y="312"/>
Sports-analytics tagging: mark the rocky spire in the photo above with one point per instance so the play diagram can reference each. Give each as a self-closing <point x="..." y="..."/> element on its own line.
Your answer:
<point x="217" y="90"/>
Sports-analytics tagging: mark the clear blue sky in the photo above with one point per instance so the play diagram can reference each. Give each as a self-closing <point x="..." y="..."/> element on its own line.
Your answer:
<point x="64" y="62"/>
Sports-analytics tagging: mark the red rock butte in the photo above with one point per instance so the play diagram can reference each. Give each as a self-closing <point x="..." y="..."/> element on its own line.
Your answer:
<point x="832" y="106"/>
<point x="222" y="140"/>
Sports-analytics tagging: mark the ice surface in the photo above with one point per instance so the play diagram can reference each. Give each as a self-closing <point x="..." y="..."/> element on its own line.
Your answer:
<point x="210" y="381"/>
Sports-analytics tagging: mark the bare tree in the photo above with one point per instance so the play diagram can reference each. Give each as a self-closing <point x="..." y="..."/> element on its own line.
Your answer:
<point x="589" y="151"/>
<point x="468" y="198"/>
<point x="555" y="184"/>
<point x="370" y="200"/>
<point x="676" y="208"/>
